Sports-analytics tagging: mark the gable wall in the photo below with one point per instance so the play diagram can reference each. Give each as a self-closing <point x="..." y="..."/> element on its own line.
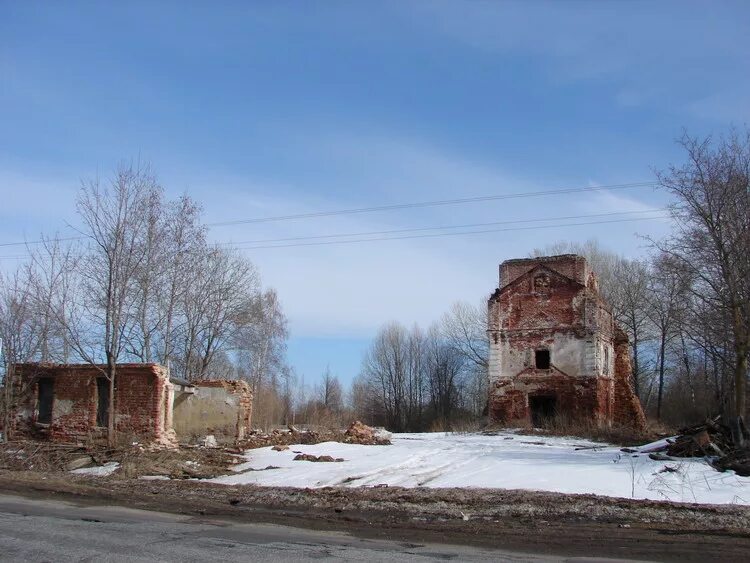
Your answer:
<point x="565" y="317"/>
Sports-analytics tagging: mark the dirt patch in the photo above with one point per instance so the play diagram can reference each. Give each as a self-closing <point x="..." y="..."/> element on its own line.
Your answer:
<point x="181" y="463"/>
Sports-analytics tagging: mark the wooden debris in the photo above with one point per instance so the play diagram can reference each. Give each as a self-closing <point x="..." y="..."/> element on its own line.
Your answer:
<point x="726" y="445"/>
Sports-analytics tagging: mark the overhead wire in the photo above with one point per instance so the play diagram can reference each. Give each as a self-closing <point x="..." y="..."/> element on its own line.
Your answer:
<point x="441" y="227"/>
<point x="433" y="235"/>
<point x="411" y="205"/>
<point x="395" y="206"/>
<point x="420" y="236"/>
<point x="434" y="203"/>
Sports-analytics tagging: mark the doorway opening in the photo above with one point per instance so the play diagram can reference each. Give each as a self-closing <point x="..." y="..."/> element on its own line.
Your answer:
<point x="102" y="404"/>
<point x="45" y="395"/>
<point x="543" y="409"/>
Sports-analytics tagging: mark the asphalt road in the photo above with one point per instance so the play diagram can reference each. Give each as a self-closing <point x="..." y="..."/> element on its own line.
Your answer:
<point x="34" y="530"/>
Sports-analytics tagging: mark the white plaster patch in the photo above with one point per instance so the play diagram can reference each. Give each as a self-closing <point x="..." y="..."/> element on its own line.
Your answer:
<point x="62" y="407"/>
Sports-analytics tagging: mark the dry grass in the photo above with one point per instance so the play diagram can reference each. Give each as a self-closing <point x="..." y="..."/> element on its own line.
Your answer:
<point x="457" y="426"/>
<point x="561" y="425"/>
<point x="135" y="461"/>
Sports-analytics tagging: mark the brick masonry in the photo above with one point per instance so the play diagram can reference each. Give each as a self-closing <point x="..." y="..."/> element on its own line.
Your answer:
<point x="551" y="305"/>
<point x="142" y="403"/>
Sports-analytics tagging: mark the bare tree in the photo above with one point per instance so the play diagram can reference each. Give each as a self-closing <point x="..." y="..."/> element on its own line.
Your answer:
<point x="444" y="367"/>
<point x="666" y="293"/>
<point x="712" y="235"/>
<point x="220" y="294"/>
<point x="330" y="393"/>
<point x="261" y="339"/>
<point x="185" y="241"/>
<point x="149" y="278"/>
<point x="115" y="222"/>
<point x="394" y="371"/>
<point x="632" y="311"/>
<point x="20" y="337"/>
<point x="600" y="260"/>
<point x="464" y="328"/>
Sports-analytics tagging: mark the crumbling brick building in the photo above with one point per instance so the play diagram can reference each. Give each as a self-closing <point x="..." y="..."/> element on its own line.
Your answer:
<point x="555" y="349"/>
<point x="70" y="403"/>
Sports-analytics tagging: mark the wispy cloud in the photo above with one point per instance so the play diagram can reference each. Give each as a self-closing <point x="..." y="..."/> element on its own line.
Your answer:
<point x="663" y="54"/>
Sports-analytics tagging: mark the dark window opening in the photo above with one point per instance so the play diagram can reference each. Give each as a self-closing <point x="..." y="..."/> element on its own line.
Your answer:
<point x="46" y="391"/>
<point x="541" y="359"/>
<point x="102" y="405"/>
<point x="543" y="409"/>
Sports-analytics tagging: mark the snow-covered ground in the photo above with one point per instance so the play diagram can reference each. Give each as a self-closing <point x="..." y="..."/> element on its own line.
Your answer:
<point x="507" y="460"/>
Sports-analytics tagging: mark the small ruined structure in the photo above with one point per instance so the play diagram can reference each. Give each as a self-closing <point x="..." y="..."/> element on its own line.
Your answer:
<point x="555" y="349"/>
<point x="70" y="403"/>
<point x="219" y="408"/>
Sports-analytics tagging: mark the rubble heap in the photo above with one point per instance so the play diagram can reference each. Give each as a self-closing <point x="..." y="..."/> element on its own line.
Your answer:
<point x="356" y="433"/>
<point x="716" y="440"/>
<point x="360" y="433"/>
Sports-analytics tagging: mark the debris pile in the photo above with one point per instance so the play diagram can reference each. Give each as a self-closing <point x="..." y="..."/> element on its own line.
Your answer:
<point x="29" y="455"/>
<point x="286" y="437"/>
<point x="310" y="457"/>
<point x="132" y="461"/>
<point x="359" y="433"/>
<point x="356" y="433"/>
<point x="713" y="439"/>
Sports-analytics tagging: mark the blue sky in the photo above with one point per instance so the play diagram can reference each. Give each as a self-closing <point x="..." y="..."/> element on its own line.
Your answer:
<point x="276" y="108"/>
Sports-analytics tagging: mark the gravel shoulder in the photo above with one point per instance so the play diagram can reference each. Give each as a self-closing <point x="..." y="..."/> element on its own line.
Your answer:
<point x="552" y="523"/>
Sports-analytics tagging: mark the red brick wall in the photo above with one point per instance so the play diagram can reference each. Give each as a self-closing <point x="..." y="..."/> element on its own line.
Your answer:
<point x="569" y="265"/>
<point x="566" y="315"/>
<point x="139" y="405"/>
<point x="627" y="407"/>
<point x="578" y="398"/>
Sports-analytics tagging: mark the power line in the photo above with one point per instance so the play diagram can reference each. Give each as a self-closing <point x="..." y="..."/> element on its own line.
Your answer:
<point x="434" y="203"/>
<point x="443" y="227"/>
<point x="433" y="235"/>
<point x="40" y="241"/>
<point x="257" y="244"/>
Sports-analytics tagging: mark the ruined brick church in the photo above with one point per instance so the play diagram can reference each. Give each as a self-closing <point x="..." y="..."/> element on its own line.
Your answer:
<point x="555" y="349"/>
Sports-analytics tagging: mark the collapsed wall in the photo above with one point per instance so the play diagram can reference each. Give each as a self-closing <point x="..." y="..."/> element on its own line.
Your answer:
<point x="627" y="407"/>
<point x="213" y="407"/>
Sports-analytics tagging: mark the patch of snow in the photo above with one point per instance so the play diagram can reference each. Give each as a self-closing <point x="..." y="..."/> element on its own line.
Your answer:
<point x="475" y="460"/>
<point x="380" y="432"/>
<point x="99" y="470"/>
<point x="210" y="441"/>
<point x="154" y="478"/>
